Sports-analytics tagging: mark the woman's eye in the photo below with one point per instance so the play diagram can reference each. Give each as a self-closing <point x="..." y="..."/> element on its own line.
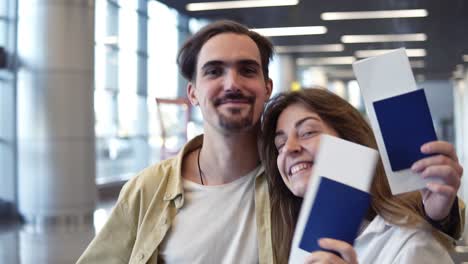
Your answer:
<point x="279" y="143"/>
<point x="308" y="133"/>
<point x="278" y="148"/>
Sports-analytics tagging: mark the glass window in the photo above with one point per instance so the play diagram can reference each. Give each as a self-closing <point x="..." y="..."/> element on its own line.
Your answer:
<point x="162" y="51"/>
<point x="105" y="105"/>
<point x="7" y="106"/>
<point x="354" y="95"/>
<point x="163" y="42"/>
<point x="135" y="62"/>
<point x="118" y="141"/>
<point x="196" y="24"/>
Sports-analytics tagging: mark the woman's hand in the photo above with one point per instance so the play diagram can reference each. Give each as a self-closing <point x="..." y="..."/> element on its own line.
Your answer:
<point x="444" y="169"/>
<point x="348" y="255"/>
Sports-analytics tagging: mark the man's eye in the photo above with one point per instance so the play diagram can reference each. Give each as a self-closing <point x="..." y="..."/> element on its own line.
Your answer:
<point x="214" y="71"/>
<point x="249" y="71"/>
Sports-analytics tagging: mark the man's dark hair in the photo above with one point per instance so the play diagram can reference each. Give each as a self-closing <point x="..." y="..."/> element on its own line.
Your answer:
<point x="188" y="54"/>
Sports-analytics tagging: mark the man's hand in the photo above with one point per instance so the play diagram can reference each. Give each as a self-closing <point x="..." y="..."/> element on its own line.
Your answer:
<point x="444" y="173"/>
<point x="348" y="255"/>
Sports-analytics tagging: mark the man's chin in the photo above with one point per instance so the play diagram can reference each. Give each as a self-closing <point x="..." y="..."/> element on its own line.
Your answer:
<point x="234" y="111"/>
<point x="236" y="123"/>
<point x="236" y="126"/>
<point x="235" y="117"/>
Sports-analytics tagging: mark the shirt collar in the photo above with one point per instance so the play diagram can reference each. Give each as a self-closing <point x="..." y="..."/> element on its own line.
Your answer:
<point x="377" y="225"/>
<point x="174" y="189"/>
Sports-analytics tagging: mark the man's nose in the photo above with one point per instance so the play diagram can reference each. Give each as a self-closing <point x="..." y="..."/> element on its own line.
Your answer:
<point x="232" y="80"/>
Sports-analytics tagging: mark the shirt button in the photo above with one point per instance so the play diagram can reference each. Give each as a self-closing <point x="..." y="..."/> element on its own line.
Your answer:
<point x="167" y="196"/>
<point x="141" y="256"/>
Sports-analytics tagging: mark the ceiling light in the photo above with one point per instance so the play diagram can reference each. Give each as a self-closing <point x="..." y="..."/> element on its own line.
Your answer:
<point x="383" y="38"/>
<point x="325" y="61"/>
<point x="291" y="31"/>
<point x="310" y="48"/>
<point x="372" y="53"/>
<point x="202" y="6"/>
<point x="374" y="14"/>
<point x="465" y="58"/>
<point x="417" y="64"/>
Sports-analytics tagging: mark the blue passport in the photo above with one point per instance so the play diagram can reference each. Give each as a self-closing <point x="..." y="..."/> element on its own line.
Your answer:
<point x="406" y="124"/>
<point x="337" y="212"/>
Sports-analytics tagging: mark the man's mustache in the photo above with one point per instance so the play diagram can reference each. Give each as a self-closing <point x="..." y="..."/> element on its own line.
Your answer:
<point x="234" y="97"/>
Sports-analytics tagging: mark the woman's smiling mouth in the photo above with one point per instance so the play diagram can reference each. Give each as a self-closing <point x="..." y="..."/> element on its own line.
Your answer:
<point x="299" y="167"/>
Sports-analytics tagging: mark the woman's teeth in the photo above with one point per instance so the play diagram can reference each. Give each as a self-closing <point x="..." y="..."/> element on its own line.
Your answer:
<point x="299" y="167"/>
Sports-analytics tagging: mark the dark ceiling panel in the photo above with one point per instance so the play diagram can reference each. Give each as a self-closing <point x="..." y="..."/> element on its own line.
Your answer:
<point x="446" y="27"/>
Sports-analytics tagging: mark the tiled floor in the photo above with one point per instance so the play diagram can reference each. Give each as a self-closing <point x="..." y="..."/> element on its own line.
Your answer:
<point x="22" y="244"/>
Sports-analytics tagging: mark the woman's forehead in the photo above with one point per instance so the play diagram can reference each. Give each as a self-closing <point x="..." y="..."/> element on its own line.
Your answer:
<point x="295" y="113"/>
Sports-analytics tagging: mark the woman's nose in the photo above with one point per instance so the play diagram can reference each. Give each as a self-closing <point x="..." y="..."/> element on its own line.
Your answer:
<point x="292" y="145"/>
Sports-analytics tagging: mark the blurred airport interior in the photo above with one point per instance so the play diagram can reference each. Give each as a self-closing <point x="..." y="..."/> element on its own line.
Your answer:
<point x="90" y="94"/>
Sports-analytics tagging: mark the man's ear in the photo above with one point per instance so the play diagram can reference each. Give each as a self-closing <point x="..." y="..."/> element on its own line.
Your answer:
<point x="191" y="93"/>
<point x="269" y="87"/>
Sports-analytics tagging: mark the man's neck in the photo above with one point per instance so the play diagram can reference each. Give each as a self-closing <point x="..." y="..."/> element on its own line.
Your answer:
<point x="225" y="158"/>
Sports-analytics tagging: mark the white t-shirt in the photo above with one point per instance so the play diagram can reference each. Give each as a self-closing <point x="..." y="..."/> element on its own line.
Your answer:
<point x="384" y="243"/>
<point x="215" y="225"/>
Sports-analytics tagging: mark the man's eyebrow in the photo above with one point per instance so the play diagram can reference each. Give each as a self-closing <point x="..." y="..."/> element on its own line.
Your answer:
<point x="248" y="62"/>
<point x="212" y="63"/>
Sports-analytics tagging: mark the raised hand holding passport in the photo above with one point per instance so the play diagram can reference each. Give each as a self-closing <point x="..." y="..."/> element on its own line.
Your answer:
<point x="444" y="172"/>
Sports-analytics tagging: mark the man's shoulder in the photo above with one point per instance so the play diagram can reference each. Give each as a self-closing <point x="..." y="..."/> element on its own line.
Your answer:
<point x="151" y="179"/>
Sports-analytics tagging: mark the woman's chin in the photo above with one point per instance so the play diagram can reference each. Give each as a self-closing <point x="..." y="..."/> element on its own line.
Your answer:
<point x="299" y="189"/>
<point x="299" y="183"/>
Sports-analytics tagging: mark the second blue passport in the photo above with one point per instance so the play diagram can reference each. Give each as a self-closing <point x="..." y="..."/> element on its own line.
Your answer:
<point x="406" y="124"/>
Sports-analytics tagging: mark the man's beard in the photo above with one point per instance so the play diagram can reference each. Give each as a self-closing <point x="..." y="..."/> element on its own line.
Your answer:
<point x="235" y="122"/>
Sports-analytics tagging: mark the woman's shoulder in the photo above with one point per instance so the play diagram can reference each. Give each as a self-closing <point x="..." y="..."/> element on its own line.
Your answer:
<point x="420" y="246"/>
<point x="385" y="242"/>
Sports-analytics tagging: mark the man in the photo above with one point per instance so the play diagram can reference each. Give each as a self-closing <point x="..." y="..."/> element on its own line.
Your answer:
<point x="209" y="204"/>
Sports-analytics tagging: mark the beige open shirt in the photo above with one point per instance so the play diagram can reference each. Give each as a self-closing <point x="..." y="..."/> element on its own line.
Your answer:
<point x="146" y="208"/>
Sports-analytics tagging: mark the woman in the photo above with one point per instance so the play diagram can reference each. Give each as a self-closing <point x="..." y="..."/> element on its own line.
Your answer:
<point x="396" y="232"/>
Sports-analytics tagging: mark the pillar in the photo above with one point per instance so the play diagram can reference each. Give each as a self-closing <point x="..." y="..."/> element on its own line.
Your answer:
<point x="460" y="99"/>
<point x="282" y="71"/>
<point x="56" y="157"/>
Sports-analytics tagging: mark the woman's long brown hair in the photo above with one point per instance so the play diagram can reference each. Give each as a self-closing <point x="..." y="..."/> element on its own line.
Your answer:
<point x="403" y="210"/>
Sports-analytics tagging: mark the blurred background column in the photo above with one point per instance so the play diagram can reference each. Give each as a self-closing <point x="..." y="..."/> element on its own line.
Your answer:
<point x="460" y="98"/>
<point x="314" y="76"/>
<point x="282" y="70"/>
<point x="8" y="194"/>
<point x="56" y="170"/>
